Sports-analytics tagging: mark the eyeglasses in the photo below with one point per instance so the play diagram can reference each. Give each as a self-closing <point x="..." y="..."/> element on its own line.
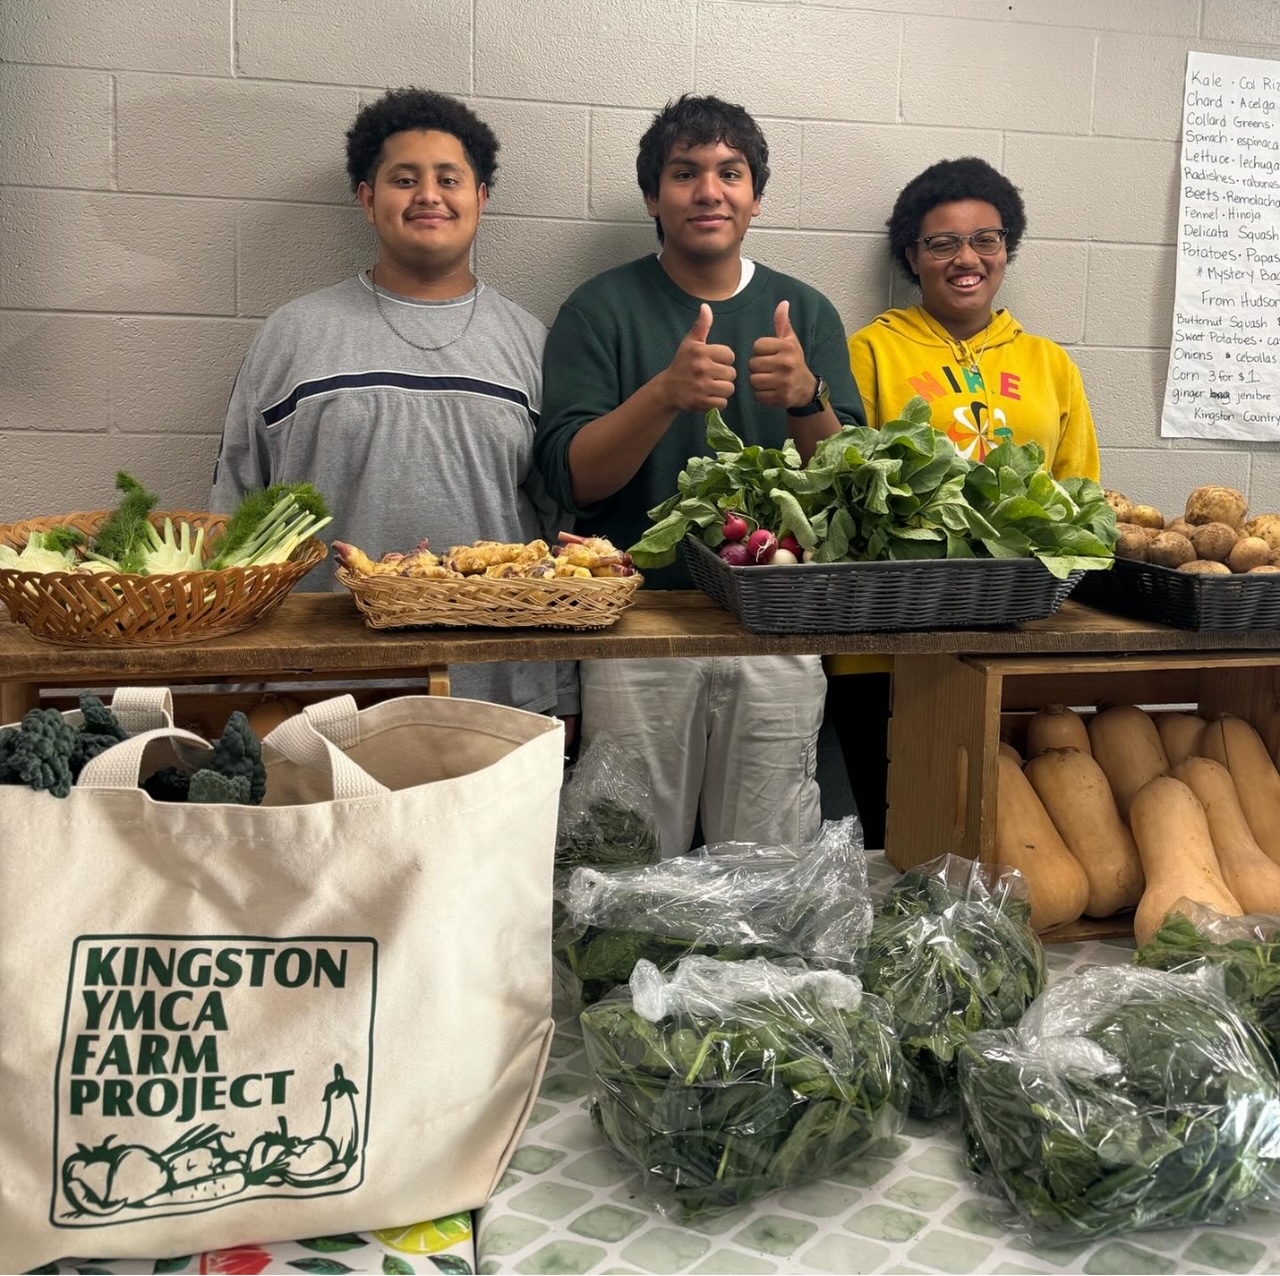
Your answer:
<point x="986" y="243"/>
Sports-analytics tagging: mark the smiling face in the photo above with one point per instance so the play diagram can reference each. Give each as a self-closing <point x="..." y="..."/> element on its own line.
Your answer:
<point x="425" y="206"/>
<point x="706" y="200"/>
<point x="959" y="293"/>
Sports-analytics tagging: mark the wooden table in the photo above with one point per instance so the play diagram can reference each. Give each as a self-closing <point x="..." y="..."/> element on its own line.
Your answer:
<point x="952" y="688"/>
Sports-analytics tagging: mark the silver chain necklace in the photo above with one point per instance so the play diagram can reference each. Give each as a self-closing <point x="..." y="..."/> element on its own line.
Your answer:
<point x="417" y="345"/>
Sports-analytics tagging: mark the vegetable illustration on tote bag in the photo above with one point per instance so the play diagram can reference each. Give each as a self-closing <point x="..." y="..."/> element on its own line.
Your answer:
<point x="199" y="1167"/>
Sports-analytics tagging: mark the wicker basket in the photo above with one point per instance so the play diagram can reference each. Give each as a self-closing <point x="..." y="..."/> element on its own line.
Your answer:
<point x="838" y="598"/>
<point x="400" y="602"/>
<point x="1187" y="599"/>
<point x="112" y="609"/>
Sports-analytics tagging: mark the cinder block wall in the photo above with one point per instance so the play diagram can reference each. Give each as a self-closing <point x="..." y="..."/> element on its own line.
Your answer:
<point x="171" y="172"/>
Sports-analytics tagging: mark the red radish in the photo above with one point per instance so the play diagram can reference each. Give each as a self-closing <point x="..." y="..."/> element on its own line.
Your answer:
<point x="762" y="545"/>
<point x="736" y="554"/>
<point x="783" y="557"/>
<point x="736" y="527"/>
<point x="791" y="545"/>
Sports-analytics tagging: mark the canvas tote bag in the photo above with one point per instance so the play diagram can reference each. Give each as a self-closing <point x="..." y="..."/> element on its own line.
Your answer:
<point x="327" y="1013"/>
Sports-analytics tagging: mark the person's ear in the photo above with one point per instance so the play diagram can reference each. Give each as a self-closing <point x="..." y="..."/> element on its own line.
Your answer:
<point x="482" y="195"/>
<point x="364" y="192"/>
<point x="912" y="254"/>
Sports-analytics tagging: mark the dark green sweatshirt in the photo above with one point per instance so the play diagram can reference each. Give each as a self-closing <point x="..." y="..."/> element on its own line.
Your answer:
<point x="622" y="328"/>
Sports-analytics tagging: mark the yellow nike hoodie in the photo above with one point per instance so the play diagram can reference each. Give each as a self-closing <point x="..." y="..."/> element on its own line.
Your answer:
<point x="1004" y="383"/>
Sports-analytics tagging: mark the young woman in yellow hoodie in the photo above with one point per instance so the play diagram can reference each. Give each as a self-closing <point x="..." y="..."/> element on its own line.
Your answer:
<point x="953" y="230"/>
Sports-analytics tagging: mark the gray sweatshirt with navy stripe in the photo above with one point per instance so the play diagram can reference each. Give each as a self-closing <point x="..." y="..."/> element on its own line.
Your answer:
<point x="404" y="443"/>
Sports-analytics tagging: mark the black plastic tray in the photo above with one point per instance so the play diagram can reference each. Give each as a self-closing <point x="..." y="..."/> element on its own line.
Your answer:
<point x="1185" y="599"/>
<point x="929" y="593"/>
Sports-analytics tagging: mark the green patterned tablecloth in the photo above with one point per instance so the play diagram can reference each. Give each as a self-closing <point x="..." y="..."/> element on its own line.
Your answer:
<point x="568" y="1205"/>
<point x="445" y="1246"/>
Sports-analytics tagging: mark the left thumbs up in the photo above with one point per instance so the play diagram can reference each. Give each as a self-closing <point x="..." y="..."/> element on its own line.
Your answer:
<point x="779" y="375"/>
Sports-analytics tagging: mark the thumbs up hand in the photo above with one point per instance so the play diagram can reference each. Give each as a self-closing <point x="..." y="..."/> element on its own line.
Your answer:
<point x="779" y="375"/>
<point x="701" y="375"/>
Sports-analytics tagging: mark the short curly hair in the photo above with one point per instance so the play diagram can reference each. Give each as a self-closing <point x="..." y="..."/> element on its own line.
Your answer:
<point x="947" y="182"/>
<point x="400" y="110"/>
<point x="700" y="121"/>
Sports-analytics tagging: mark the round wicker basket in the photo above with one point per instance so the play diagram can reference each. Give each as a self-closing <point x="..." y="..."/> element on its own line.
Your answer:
<point x="113" y="609"/>
<point x="398" y="602"/>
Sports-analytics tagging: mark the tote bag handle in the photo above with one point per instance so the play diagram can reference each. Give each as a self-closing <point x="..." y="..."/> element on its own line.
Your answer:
<point x="299" y="739"/>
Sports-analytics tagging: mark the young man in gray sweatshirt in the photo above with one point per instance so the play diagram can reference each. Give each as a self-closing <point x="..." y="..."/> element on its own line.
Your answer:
<point x="409" y="393"/>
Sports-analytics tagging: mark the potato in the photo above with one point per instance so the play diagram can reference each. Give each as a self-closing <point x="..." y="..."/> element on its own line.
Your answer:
<point x="1169" y="549"/>
<point x="1150" y="533"/>
<point x="1214" y="541"/>
<point x="1213" y="504"/>
<point x="1267" y="526"/>
<point x="1181" y="526"/>
<point x="1120" y="503"/>
<point x="1146" y="516"/>
<point x="1206" y="566"/>
<point x="1266" y="567"/>
<point x="1249" y="552"/>
<point x="1132" y="544"/>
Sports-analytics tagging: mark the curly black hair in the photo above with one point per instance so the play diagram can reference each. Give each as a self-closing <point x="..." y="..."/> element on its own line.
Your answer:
<point x="946" y="182"/>
<point x="399" y="110"/>
<point x="700" y="121"/>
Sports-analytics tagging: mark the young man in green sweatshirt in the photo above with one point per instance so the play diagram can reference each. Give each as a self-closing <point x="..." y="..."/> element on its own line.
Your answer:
<point x="635" y="359"/>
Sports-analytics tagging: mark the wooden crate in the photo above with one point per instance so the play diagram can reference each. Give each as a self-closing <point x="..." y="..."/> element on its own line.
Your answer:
<point x="948" y="713"/>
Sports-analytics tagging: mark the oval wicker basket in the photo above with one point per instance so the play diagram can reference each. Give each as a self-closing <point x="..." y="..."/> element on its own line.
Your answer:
<point x="113" y="609"/>
<point x="400" y="602"/>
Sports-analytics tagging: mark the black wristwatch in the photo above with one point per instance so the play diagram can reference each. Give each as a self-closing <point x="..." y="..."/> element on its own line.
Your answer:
<point x="820" y="403"/>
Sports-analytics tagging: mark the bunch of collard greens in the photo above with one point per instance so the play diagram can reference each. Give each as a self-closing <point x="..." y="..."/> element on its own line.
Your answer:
<point x="733" y="1079"/>
<point x="731" y="902"/>
<point x="1246" y="948"/>
<point x="1125" y="1099"/>
<point x="951" y="952"/>
<point x="900" y="492"/>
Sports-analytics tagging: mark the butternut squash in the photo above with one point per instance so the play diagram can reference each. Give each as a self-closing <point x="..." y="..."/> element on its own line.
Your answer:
<point x="1075" y="792"/>
<point x="1251" y="876"/>
<point x="1008" y="751"/>
<point x="1234" y="743"/>
<point x="1172" y="832"/>
<point x="1127" y="747"/>
<point x="1180" y="734"/>
<point x="1056" y="727"/>
<point x="1027" y="840"/>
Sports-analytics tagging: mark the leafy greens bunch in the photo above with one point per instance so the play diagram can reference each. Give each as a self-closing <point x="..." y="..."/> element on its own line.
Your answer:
<point x="606" y="810"/>
<point x="951" y="952"/>
<point x="1247" y="949"/>
<point x="900" y="492"/>
<point x="1125" y="1099"/>
<point x="734" y="1079"/>
<point x="729" y="902"/>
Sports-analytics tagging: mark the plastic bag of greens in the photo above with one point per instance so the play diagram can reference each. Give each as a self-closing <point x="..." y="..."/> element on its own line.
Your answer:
<point x="952" y="951"/>
<point x="606" y="810"/>
<point x="1125" y="1099"/>
<point x="725" y="1080"/>
<point x="730" y="901"/>
<point x="1246" y="948"/>
<point x="605" y="821"/>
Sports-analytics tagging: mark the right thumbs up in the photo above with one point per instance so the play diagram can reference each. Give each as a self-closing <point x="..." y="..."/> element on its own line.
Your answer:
<point x="702" y="325"/>
<point x="700" y="376"/>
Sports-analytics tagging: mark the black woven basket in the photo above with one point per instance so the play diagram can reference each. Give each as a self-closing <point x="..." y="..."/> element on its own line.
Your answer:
<point x="1186" y="599"/>
<point x="927" y="593"/>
